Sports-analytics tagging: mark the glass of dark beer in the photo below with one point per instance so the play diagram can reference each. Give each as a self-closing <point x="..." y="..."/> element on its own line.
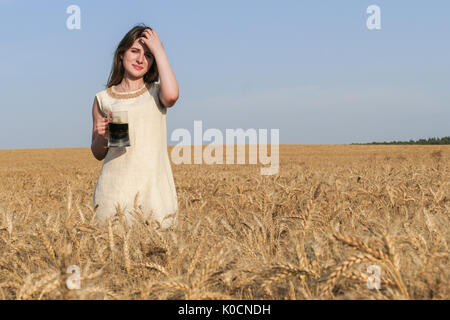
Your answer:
<point x="118" y="130"/>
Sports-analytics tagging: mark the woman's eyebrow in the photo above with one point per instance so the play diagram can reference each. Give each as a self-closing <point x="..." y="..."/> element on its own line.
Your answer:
<point x="139" y="49"/>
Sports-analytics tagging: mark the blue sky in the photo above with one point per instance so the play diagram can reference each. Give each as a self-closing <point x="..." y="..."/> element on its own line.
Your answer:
<point x="311" y="69"/>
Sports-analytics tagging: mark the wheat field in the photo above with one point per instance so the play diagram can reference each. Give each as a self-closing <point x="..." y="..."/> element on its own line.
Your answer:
<point x="312" y="231"/>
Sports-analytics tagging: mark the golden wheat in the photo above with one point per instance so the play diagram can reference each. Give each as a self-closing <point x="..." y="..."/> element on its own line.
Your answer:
<point x="307" y="232"/>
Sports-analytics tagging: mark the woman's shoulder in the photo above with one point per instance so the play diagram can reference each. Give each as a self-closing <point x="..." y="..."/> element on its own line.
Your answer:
<point x="101" y="99"/>
<point x="100" y="93"/>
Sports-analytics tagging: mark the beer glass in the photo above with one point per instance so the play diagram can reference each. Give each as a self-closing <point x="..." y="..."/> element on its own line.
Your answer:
<point x="118" y="130"/>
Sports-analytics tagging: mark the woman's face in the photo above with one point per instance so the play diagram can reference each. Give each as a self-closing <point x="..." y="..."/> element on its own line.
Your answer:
<point x="137" y="60"/>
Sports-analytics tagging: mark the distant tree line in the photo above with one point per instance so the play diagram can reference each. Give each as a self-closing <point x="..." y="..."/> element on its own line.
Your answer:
<point x="444" y="140"/>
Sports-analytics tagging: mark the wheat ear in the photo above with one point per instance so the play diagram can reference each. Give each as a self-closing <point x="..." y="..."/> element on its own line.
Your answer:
<point x="343" y="267"/>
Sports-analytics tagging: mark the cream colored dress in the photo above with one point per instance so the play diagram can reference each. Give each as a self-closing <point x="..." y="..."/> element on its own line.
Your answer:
<point x="143" y="169"/>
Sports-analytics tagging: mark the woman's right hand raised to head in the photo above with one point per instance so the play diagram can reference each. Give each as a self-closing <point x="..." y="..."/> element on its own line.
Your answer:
<point x="101" y="126"/>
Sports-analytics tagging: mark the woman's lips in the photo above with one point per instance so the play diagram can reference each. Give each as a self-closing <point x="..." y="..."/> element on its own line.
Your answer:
<point x="137" y="67"/>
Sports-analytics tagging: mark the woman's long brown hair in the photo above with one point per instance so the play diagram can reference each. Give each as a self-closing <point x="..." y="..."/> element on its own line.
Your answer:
<point x="117" y="70"/>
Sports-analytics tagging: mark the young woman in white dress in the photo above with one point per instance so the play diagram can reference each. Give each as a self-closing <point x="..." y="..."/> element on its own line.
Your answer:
<point x="140" y="173"/>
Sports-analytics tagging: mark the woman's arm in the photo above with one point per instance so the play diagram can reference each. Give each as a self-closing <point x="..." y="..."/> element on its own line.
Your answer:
<point x="169" y="92"/>
<point x="99" y="144"/>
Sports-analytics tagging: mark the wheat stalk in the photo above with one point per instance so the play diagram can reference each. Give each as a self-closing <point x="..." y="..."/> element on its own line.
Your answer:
<point x="177" y="286"/>
<point x="343" y="267"/>
<point x="361" y="245"/>
<point x="48" y="247"/>
<point x="392" y="269"/>
<point x="22" y="265"/>
<point x="27" y="290"/>
<point x="157" y="267"/>
<point x="111" y="239"/>
<point x="292" y="294"/>
<point x="194" y="259"/>
<point x="281" y="271"/>
<point x="126" y="252"/>
<point x="211" y="264"/>
<point x="83" y="219"/>
<point x="50" y="287"/>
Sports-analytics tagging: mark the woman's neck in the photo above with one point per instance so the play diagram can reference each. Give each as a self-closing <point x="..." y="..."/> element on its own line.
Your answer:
<point x="128" y="84"/>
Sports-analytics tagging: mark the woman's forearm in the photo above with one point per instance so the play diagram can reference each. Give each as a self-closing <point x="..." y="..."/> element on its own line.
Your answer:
<point x="99" y="147"/>
<point x="169" y="85"/>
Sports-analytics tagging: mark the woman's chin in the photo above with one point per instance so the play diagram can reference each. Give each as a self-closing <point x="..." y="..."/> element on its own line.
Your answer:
<point x="136" y="74"/>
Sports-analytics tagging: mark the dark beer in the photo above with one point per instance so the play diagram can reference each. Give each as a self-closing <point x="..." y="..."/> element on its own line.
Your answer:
<point x="118" y="135"/>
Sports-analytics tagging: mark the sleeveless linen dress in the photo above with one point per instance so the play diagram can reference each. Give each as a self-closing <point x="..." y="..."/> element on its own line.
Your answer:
<point x="141" y="171"/>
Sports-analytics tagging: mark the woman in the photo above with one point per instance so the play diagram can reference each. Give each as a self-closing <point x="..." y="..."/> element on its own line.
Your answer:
<point x="140" y="173"/>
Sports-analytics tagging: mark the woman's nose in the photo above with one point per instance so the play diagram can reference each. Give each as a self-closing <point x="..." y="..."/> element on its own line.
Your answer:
<point x="140" y="58"/>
